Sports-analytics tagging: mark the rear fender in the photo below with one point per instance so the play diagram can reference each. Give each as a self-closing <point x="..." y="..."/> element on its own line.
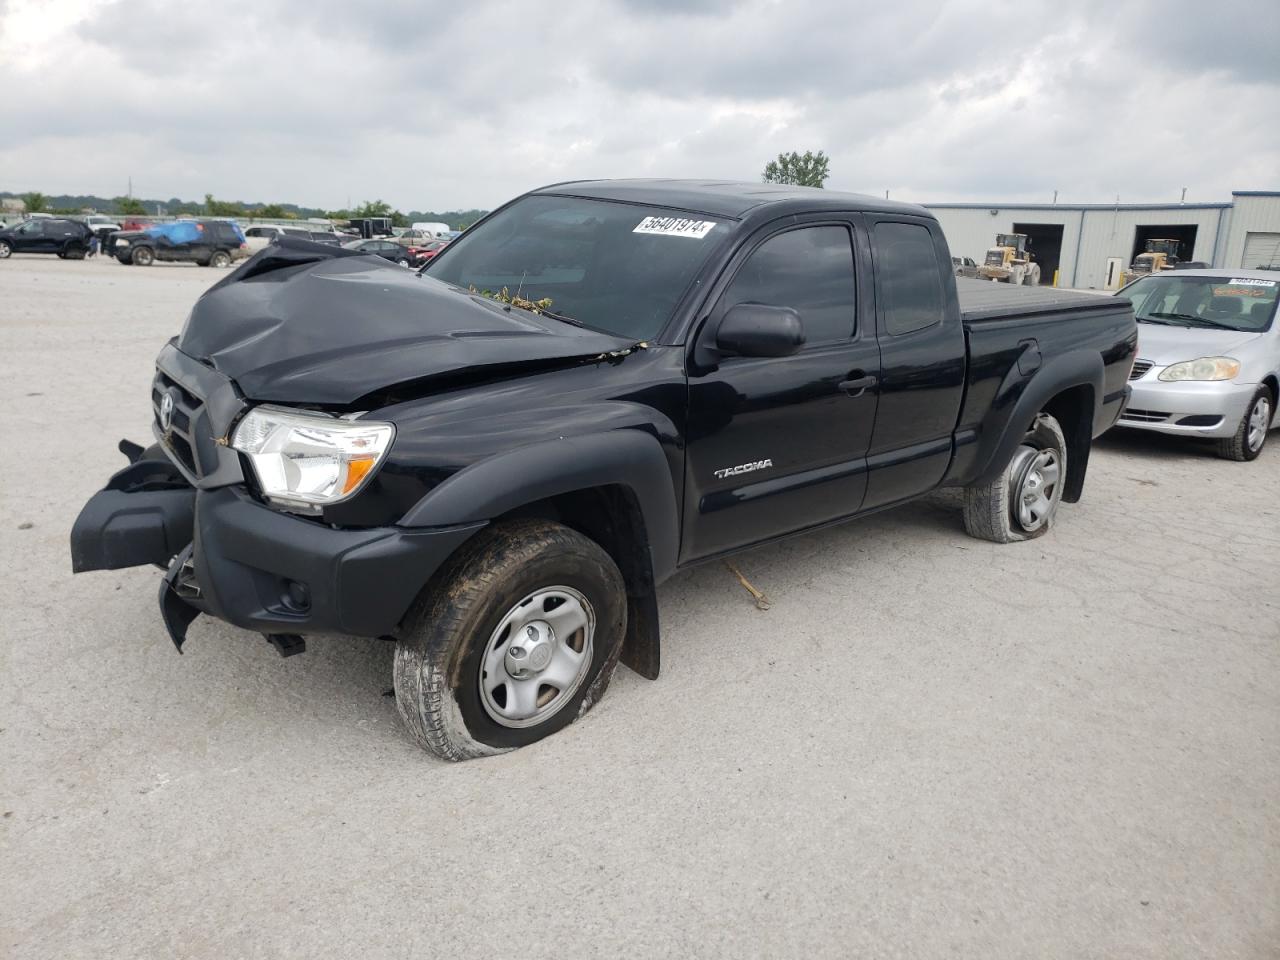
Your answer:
<point x="1023" y="400"/>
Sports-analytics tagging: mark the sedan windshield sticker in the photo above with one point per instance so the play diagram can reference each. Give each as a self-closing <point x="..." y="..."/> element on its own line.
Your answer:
<point x="1253" y="283"/>
<point x="675" y="227"/>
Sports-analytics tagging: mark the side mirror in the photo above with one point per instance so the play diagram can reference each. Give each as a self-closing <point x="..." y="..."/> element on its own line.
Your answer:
<point x="755" y="330"/>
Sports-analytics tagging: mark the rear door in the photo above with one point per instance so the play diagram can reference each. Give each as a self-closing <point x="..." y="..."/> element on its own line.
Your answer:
<point x="922" y="352"/>
<point x="778" y="444"/>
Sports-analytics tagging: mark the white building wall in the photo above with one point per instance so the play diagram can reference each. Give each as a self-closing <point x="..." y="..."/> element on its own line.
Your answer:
<point x="1111" y="233"/>
<point x="970" y="231"/>
<point x="1252" y="214"/>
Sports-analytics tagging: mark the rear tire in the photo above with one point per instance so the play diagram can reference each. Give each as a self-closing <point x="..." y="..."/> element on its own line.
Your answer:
<point x="1251" y="435"/>
<point x="455" y="687"/>
<point x="220" y="259"/>
<point x="142" y="257"/>
<point x="1022" y="503"/>
<point x="5" y="250"/>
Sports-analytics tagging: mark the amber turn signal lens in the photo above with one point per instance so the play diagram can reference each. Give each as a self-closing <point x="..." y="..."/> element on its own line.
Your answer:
<point x="357" y="470"/>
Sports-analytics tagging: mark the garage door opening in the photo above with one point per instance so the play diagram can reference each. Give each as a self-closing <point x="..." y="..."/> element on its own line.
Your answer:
<point x="1261" y="251"/>
<point x="1184" y="233"/>
<point x="1045" y="242"/>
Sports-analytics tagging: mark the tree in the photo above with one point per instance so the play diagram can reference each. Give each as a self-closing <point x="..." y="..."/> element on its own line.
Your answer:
<point x="398" y="219"/>
<point x="221" y="208"/>
<point x="130" y="206"/>
<point x="803" y="170"/>
<point x="35" y="202"/>
<point x="373" y="208"/>
<point x="272" y="211"/>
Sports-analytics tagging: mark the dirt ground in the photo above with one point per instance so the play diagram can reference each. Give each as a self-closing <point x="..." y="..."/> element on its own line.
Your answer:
<point x="930" y="746"/>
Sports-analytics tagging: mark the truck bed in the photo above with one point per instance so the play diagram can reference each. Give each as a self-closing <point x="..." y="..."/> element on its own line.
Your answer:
<point x="984" y="300"/>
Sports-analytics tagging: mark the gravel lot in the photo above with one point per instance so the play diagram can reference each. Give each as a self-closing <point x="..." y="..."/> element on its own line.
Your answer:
<point x="929" y="746"/>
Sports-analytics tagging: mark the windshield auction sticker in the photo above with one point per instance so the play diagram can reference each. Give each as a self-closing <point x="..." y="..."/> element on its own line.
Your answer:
<point x="675" y="227"/>
<point x="1249" y="282"/>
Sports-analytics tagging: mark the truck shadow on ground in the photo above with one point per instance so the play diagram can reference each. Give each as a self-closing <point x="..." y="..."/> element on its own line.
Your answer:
<point x="346" y="680"/>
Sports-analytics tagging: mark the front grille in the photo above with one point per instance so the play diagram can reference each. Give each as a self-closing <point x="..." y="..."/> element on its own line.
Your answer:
<point x="181" y="436"/>
<point x="1140" y="369"/>
<point x="1144" y="416"/>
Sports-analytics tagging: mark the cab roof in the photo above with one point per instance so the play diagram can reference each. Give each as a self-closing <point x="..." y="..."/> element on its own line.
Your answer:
<point x="726" y="198"/>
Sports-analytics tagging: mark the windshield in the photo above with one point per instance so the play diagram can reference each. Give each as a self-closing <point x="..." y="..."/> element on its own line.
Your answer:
<point x="1227" y="303"/>
<point x="616" y="267"/>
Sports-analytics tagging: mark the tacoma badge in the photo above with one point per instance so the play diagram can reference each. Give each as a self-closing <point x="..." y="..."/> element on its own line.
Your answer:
<point x="743" y="468"/>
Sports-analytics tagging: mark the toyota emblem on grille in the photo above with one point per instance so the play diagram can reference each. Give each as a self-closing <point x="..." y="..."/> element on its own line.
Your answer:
<point x="166" y="414"/>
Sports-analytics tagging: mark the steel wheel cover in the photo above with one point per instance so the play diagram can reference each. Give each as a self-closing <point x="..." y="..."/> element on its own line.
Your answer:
<point x="537" y="657"/>
<point x="1259" y="421"/>
<point x="1036" y="485"/>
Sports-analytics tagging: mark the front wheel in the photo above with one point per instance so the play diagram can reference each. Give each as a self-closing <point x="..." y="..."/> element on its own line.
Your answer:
<point x="1247" y="442"/>
<point x="142" y="257"/>
<point x="516" y="640"/>
<point x="1022" y="503"/>
<point x="5" y="250"/>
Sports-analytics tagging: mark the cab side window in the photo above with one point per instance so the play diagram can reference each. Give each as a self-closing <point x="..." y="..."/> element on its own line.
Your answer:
<point x="907" y="274"/>
<point x="809" y="270"/>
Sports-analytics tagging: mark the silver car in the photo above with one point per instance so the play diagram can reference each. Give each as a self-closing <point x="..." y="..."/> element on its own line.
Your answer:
<point x="1208" y="361"/>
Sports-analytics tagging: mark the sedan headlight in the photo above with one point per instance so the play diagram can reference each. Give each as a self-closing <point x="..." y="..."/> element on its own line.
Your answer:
<point x="1206" y="368"/>
<point x="309" y="459"/>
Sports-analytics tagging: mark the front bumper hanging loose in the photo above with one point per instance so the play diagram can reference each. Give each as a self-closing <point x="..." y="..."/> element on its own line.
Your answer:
<point x="232" y="557"/>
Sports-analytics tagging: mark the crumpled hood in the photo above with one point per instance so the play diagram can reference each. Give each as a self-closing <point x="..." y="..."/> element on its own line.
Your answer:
<point x="313" y="326"/>
<point x="1165" y="345"/>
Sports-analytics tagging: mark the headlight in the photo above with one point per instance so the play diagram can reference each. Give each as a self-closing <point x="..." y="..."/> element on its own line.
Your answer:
<point x="309" y="459"/>
<point x="122" y="243"/>
<point x="1206" y="368"/>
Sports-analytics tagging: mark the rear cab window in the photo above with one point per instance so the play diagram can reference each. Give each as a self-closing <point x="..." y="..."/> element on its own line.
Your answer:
<point x="907" y="277"/>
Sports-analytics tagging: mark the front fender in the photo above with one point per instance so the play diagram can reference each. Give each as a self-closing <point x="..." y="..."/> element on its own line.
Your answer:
<point x="499" y="484"/>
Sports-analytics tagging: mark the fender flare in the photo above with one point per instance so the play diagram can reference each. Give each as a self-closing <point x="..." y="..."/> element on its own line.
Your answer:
<point x="1078" y="369"/>
<point x="628" y="457"/>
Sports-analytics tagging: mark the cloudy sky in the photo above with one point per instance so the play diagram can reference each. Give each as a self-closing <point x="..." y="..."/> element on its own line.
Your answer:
<point x="450" y="105"/>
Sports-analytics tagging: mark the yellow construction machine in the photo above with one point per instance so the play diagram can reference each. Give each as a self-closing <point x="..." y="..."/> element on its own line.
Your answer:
<point x="1009" y="261"/>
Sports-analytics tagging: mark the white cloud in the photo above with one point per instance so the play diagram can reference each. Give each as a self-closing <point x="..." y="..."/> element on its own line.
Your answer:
<point x="467" y="104"/>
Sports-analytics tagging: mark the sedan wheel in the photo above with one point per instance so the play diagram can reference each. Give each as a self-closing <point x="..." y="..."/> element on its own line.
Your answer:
<point x="1251" y="434"/>
<point x="5" y="249"/>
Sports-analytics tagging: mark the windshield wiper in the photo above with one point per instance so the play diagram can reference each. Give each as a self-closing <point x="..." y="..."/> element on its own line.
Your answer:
<point x="1162" y="323"/>
<point x="1192" y="318"/>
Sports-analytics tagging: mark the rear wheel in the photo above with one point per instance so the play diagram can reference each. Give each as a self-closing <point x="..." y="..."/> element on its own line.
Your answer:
<point x="142" y="257"/>
<point x="1251" y="434"/>
<point x="403" y="262"/>
<point x="5" y="250"/>
<point x="517" y="639"/>
<point x="1022" y="503"/>
<point x="220" y="259"/>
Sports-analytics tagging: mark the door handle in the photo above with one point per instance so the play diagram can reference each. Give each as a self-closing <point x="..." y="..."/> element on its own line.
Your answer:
<point x="856" y="388"/>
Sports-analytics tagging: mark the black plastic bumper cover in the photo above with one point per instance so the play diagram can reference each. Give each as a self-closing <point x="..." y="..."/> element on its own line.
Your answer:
<point x="145" y="514"/>
<point x="253" y="565"/>
<point x="236" y="559"/>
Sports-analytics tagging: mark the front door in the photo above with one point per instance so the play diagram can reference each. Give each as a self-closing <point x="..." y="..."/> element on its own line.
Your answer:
<point x="778" y="444"/>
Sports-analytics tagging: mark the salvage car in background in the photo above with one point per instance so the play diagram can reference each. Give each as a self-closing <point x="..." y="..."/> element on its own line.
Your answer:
<point x="69" y="239"/>
<point x="965" y="267"/>
<point x="215" y="243"/>
<point x="387" y="249"/>
<point x="1208" y="360"/>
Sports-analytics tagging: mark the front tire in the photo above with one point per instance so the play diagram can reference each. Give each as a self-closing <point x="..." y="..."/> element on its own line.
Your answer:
<point x="142" y="257"/>
<point x="1022" y="503"/>
<point x="515" y="640"/>
<point x="5" y="250"/>
<point x="1251" y="434"/>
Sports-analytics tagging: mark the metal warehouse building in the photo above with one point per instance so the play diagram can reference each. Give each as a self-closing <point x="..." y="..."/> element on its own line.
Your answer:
<point x="1089" y="245"/>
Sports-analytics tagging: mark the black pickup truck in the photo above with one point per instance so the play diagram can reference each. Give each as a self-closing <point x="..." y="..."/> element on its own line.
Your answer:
<point x="494" y="461"/>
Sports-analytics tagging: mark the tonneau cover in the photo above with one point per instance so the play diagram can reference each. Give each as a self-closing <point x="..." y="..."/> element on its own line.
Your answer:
<point x="985" y="300"/>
